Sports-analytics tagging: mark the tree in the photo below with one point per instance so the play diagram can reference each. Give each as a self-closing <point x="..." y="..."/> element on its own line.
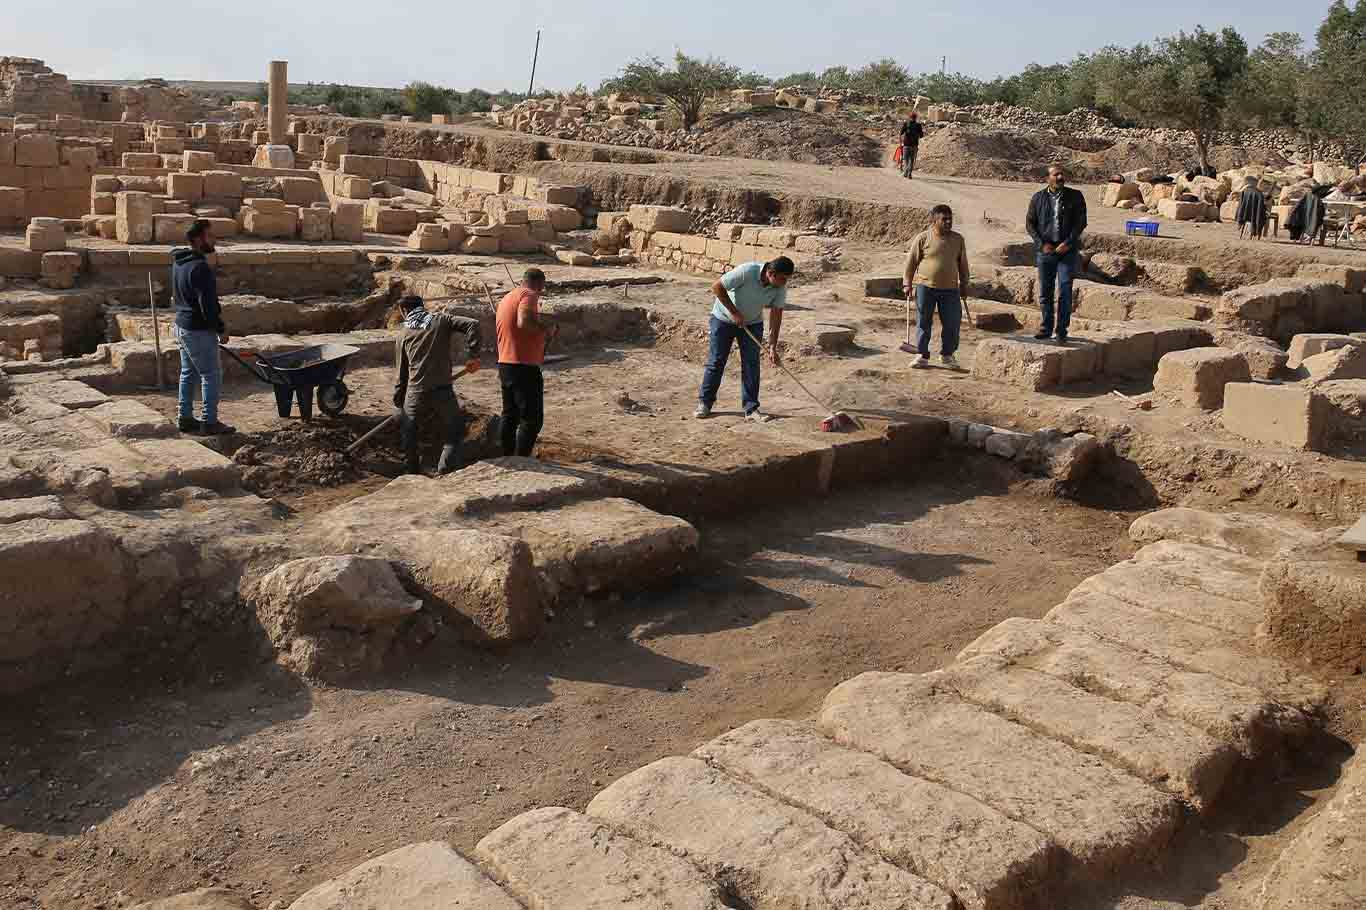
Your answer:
<point x="686" y="87"/>
<point x="1189" y="84"/>
<point x="1269" y="95"/>
<point x="797" y="79"/>
<point x="1332" y="98"/>
<point x="881" y="78"/>
<point x="835" y="77"/>
<point x="422" y="99"/>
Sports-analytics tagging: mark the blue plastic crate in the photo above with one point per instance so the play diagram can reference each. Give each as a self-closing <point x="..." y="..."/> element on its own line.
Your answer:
<point x="1144" y="228"/>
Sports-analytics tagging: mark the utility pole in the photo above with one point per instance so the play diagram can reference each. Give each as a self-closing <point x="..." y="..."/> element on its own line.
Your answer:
<point x="534" y="57"/>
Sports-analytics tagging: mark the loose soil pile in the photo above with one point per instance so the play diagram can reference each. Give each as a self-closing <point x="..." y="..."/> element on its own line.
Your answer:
<point x="783" y="135"/>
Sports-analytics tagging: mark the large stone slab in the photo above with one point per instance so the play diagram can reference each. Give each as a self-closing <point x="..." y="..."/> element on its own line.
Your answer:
<point x="983" y="858"/>
<point x="128" y="419"/>
<point x="1196" y="377"/>
<point x="1324" y="868"/>
<point x="70" y="394"/>
<point x="1234" y="713"/>
<point x="1284" y="415"/>
<point x="428" y="876"/>
<point x="12" y="510"/>
<point x="1034" y="365"/>
<point x="1104" y="818"/>
<point x="1149" y="586"/>
<point x="1248" y="533"/>
<point x="1211" y="570"/>
<point x="1162" y="750"/>
<point x="768" y="854"/>
<point x="556" y="859"/>
<point x="1354" y="538"/>
<point x="1187" y="644"/>
<point x="1315" y="600"/>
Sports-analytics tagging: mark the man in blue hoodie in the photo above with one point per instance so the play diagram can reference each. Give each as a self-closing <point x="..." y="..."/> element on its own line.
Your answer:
<point x="199" y="329"/>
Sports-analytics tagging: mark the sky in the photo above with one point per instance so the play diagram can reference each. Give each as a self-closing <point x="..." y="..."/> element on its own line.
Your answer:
<point x="489" y="44"/>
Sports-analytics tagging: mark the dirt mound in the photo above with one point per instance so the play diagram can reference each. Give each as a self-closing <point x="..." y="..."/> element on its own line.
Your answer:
<point x="783" y="135"/>
<point x="970" y="151"/>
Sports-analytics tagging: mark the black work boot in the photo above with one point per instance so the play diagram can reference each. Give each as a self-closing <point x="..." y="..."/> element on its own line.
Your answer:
<point x="217" y="428"/>
<point x="188" y="425"/>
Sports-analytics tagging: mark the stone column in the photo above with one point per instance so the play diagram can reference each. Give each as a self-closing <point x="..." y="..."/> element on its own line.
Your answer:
<point x="279" y="101"/>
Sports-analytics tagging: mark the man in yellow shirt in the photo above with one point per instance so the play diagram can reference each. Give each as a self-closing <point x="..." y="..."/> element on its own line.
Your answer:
<point x="937" y="270"/>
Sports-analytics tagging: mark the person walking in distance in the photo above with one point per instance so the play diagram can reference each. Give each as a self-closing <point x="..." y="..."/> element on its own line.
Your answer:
<point x="911" y="133"/>
<point x="522" y="336"/>
<point x="937" y="271"/>
<point x="424" y="384"/>
<point x="1056" y="220"/>
<point x="737" y="314"/>
<point x="199" y="330"/>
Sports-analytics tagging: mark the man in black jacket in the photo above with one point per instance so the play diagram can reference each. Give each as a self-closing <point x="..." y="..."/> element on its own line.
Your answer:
<point x="911" y="134"/>
<point x="199" y="330"/>
<point x="1056" y="221"/>
<point x="423" y="360"/>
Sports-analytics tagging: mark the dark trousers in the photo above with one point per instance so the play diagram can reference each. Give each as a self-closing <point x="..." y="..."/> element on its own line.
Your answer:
<point x="908" y="153"/>
<point x="949" y="303"/>
<point x="724" y="334"/>
<point x="523" y="407"/>
<point x="440" y="402"/>
<point x="1056" y="270"/>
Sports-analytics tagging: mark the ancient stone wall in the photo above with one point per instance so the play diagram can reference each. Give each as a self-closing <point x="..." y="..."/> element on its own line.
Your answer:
<point x="27" y="86"/>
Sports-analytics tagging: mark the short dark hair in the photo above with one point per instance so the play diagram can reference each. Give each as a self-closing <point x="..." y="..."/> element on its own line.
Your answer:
<point x="533" y="276"/>
<point x="781" y="266"/>
<point x="409" y="302"/>
<point x="197" y="229"/>
<point x="941" y="209"/>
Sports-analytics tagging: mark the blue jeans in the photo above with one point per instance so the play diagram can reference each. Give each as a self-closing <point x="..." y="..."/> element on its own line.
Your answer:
<point x="724" y="334"/>
<point x="950" y="305"/>
<point x="1056" y="269"/>
<point x="199" y="363"/>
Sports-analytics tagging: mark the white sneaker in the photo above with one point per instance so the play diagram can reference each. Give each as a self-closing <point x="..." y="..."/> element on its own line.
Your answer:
<point x="921" y="363"/>
<point x="949" y="361"/>
<point x="758" y="416"/>
<point x="702" y="412"/>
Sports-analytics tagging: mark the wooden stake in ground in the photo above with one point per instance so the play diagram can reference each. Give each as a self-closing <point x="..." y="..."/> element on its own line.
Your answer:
<point x="156" y="333"/>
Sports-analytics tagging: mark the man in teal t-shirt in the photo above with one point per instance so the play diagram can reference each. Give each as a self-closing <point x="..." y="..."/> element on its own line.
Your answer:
<point x="742" y="295"/>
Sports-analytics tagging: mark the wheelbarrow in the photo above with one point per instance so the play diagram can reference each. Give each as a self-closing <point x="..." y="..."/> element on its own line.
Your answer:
<point x="297" y="374"/>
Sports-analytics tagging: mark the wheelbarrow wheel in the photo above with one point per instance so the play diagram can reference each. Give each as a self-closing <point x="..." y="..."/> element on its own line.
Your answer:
<point x="332" y="398"/>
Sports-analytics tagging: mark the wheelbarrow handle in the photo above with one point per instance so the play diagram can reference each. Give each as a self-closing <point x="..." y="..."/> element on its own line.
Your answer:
<point x="257" y="369"/>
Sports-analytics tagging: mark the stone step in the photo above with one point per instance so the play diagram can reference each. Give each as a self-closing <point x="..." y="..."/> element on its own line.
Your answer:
<point x="1247" y="533"/>
<point x="1210" y="569"/>
<point x="987" y="861"/>
<point x="1162" y="750"/>
<point x="1104" y="818"/>
<point x="1235" y="713"/>
<point x="1191" y="645"/>
<point x="768" y="854"/>
<point x="1151" y="587"/>
<point x="556" y="858"/>
<point x="426" y="876"/>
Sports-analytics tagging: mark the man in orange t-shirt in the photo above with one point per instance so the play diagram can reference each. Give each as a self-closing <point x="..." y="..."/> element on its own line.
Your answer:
<point x="522" y="337"/>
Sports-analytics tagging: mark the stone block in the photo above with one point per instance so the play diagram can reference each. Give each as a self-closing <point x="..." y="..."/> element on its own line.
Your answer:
<point x="1181" y="211"/>
<point x="44" y="235"/>
<point x="561" y="217"/>
<point x="197" y="162"/>
<point x="276" y="157"/>
<point x="1347" y="362"/>
<point x="482" y="246"/>
<point x="489" y="181"/>
<point x="609" y="221"/>
<point x="348" y="221"/>
<point x="1265" y="359"/>
<point x="771" y="854"/>
<point x="334" y="147"/>
<point x="1284" y="415"/>
<point x="60" y="269"/>
<point x="574" y="257"/>
<point x="141" y="160"/>
<point x="1314" y="597"/>
<point x="187" y="186"/>
<point x="310" y="144"/>
<point x="426" y="876"/>
<point x="514" y="238"/>
<point x="1352" y="280"/>
<point x="165" y="147"/>
<point x="315" y="225"/>
<point x="428" y="238"/>
<point x="128" y="419"/>
<point x="171" y="228"/>
<point x="279" y="225"/>
<point x="36" y="150"/>
<point x="558" y="195"/>
<point x="1197" y="377"/>
<point x="100" y="204"/>
<point x="300" y="190"/>
<point x="557" y="857"/>
<point x="1033" y="365"/>
<point x="13" y="210"/>
<point x="652" y="218"/>
<point x="222" y="184"/>
<point x="918" y="724"/>
<point x="133" y="213"/>
<point x="1307" y="345"/>
<point x="384" y="220"/>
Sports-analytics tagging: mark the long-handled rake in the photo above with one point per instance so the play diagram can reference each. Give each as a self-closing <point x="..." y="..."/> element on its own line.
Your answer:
<point x="838" y="420"/>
